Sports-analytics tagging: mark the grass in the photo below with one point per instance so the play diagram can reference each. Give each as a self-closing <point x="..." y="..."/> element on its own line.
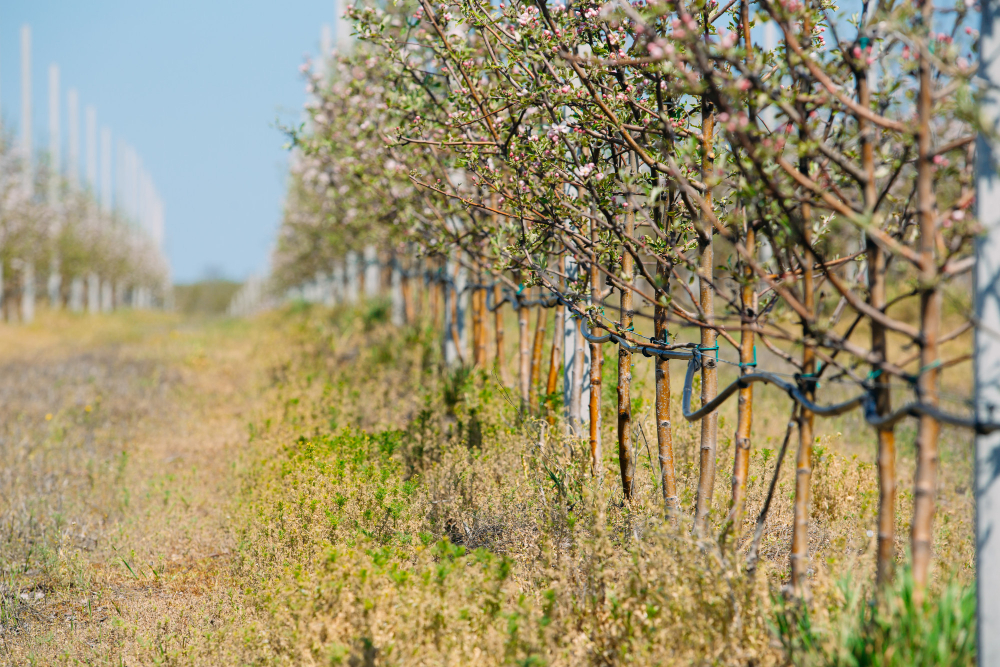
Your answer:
<point x="312" y="488"/>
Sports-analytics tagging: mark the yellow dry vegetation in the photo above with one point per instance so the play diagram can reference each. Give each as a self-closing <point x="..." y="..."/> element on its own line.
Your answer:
<point x="312" y="488"/>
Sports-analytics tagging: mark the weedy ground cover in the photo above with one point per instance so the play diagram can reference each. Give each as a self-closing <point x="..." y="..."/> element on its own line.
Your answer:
<point x="400" y="514"/>
<point x="313" y="488"/>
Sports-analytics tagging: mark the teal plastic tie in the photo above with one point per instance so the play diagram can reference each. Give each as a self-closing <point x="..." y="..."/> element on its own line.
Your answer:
<point x="709" y="349"/>
<point x="752" y="364"/>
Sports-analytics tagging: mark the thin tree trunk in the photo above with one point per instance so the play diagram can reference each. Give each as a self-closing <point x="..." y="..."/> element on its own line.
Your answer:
<point x="478" y="328"/>
<point x="596" y="449"/>
<point x="748" y="313"/>
<point x="744" y="414"/>
<point x="925" y="479"/>
<point x="626" y="460"/>
<point x="803" y="461"/>
<point x="877" y="266"/>
<point x="709" y="344"/>
<point x="536" y="355"/>
<point x="664" y="437"/>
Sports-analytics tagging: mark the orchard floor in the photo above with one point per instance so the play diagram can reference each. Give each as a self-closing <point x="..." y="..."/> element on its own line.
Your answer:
<point x="119" y="436"/>
<point x="311" y="488"/>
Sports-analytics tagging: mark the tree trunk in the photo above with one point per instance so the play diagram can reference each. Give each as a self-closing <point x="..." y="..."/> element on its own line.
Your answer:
<point x="744" y="414"/>
<point x="803" y="460"/>
<point x="748" y="357"/>
<point x="596" y="449"/>
<point x="626" y="460"/>
<point x="925" y="479"/>
<point x="877" y="266"/>
<point x="709" y="345"/>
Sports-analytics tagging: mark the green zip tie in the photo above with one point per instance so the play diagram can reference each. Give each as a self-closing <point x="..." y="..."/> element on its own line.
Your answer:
<point x="929" y="367"/>
<point x="709" y="349"/>
<point x="752" y="364"/>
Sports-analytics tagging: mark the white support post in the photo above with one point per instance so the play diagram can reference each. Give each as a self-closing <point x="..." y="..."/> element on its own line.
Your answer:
<point x="107" y="296"/>
<point x="106" y="170"/>
<point x="55" y="177"/>
<point x="373" y="272"/>
<point x="576" y="365"/>
<point x="343" y="29"/>
<point x="76" y="292"/>
<point x="339" y="283"/>
<point x="448" y="348"/>
<point x="93" y="294"/>
<point x="397" y="296"/>
<point x="28" y="293"/>
<point x="987" y="345"/>
<point x="73" y="118"/>
<point x="461" y="277"/>
<point x="92" y="149"/>
<point x="325" y="51"/>
<point x="351" y="278"/>
<point x="27" y="147"/>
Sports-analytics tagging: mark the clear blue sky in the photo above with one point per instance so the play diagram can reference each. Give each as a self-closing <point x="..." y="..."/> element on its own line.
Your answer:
<point x="196" y="88"/>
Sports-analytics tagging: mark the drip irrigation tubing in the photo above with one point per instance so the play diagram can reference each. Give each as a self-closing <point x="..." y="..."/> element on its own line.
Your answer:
<point x="693" y="355"/>
<point x="866" y="401"/>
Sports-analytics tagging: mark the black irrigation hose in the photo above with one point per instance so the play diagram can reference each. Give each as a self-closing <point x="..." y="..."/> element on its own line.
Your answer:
<point x="693" y="355"/>
<point x="866" y="400"/>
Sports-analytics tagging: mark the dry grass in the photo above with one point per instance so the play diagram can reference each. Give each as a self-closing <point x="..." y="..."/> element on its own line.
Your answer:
<point x="383" y="512"/>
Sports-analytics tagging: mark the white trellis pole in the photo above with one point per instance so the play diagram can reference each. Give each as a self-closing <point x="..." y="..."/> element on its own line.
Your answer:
<point x="93" y="281"/>
<point x="448" y="348"/>
<point x="351" y="278"/>
<point x="456" y="299"/>
<point x="55" y="177"/>
<point x="398" y="315"/>
<point x="107" y="290"/>
<point x="27" y="155"/>
<point x="339" y="286"/>
<point x="372" y="272"/>
<point x="76" y="287"/>
<point x="987" y="347"/>
<point x="27" y="147"/>
<point x="576" y="365"/>
<point x="73" y="118"/>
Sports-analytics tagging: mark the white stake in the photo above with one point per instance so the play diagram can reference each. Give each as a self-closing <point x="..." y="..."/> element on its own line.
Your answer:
<point x="73" y="112"/>
<point x="27" y="149"/>
<point x="93" y="294"/>
<point x="106" y="170"/>
<point x="372" y="272"/>
<point x="92" y="149"/>
<point x="576" y="365"/>
<point x="987" y="348"/>
<point x="55" y="178"/>
<point x="351" y="278"/>
<point x="28" y="294"/>
<point x="55" y="135"/>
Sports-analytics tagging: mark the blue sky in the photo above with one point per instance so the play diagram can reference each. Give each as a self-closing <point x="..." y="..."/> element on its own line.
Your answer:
<point x="196" y="88"/>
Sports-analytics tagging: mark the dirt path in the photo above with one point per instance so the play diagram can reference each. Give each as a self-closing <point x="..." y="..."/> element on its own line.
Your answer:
<point x="119" y="444"/>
